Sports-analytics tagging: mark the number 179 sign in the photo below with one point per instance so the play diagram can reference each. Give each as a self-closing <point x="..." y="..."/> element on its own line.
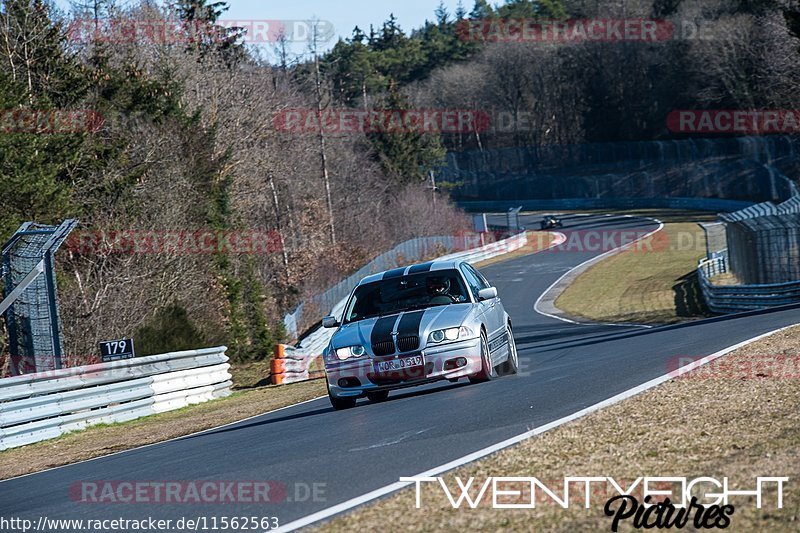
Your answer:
<point x="116" y="350"/>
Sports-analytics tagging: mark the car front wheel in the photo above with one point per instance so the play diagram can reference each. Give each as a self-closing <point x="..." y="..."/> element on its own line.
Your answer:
<point x="511" y="366"/>
<point x="487" y="372"/>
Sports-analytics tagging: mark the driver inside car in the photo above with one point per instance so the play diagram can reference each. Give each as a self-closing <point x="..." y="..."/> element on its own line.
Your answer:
<point x="439" y="291"/>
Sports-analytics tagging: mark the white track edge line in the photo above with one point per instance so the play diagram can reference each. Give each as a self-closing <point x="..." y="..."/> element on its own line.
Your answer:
<point x="388" y="489"/>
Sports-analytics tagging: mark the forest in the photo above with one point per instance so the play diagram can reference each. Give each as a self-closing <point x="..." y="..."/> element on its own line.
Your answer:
<point x="182" y="138"/>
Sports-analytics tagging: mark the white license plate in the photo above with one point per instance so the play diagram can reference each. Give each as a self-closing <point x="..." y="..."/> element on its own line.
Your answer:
<point x="399" y="364"/>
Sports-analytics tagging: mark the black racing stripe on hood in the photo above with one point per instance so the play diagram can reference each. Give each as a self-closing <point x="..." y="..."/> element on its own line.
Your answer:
<point x="382" y="330"/>
<point x="396" y="273"/>
<point x="409" y="324"/>
<point x="419" y="269"/>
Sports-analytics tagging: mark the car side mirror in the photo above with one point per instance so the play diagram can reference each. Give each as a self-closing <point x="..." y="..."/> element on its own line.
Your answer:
<point x="330" y="322"/>
<point x="487" y="294"/>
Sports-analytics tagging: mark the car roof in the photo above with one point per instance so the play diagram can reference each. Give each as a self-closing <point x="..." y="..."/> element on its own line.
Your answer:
<point x="419" y="268"/>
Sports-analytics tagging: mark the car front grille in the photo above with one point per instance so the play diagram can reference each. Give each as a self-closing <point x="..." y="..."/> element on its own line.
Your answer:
<point x="408" y="344"/>
<point x="383" y="348"/>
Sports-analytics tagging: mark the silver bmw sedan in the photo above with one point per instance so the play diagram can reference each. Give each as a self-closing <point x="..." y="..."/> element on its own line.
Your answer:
<point x="416" y="325"/>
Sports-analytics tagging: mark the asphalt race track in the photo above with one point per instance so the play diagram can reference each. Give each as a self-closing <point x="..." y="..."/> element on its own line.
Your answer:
<point x="564" y="368"/>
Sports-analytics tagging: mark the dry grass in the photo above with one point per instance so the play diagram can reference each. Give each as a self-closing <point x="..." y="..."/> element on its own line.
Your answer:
<point x="106" y="439"/>
<point x="655" y="284"/>
<point x="712" y="423"/>
<point x="251" y="375"/>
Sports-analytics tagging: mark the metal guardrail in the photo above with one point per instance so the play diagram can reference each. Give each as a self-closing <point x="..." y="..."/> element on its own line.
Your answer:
<point x="715" y="265"/>
<point x="568" y="204"/>
<point x="42" y="406"/>
<point x="295" y="364"/>
<point x="723" y="299"/>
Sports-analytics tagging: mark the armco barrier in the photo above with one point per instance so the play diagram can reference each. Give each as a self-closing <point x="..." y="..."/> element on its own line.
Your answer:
<point x="293" y="364"/>
<point x="724" y="299"/>
<point x="41" y="406"/>
<point x="572" y="204"/>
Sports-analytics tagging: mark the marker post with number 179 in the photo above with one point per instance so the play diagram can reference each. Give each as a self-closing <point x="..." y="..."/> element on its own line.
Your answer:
<point x="116" y="350"/>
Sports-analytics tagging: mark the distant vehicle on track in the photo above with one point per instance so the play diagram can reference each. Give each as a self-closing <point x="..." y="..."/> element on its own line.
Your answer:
<point x="551" y="222"/>
<point x="416" y="325"/>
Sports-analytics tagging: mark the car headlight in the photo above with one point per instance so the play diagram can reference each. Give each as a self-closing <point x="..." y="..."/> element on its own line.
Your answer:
<point x="350" y="351"/>
<point x="449" y="335"/>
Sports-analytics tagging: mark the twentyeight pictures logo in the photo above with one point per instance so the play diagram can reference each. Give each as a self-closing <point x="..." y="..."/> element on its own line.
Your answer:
<point x="647" y="502"/>
<point x="587" y="491"/>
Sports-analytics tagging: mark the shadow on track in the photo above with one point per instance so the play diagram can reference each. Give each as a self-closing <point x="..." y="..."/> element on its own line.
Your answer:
<point x="531" y="335"/>
<point x="612" y="336"/>
<point x="325" y="410"/>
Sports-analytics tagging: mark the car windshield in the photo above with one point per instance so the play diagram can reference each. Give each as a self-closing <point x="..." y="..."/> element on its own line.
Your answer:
<point x="406" y="293"/>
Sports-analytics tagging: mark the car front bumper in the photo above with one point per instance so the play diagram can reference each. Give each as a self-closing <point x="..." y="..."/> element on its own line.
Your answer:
<point x="354" y="379"/>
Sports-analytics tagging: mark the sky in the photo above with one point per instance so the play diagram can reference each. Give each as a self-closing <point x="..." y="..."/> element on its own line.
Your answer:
<point x="343" y="15"/>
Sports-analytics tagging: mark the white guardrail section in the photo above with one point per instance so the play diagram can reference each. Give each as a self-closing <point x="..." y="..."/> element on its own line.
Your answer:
<point x="302" y="357"/>
<point x="42" y="406"/>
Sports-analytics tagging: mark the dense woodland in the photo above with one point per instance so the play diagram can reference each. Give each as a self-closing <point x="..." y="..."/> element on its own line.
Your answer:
<point x="187" y="141"/>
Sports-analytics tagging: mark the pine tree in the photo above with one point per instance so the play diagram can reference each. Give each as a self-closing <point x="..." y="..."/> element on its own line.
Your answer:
<point x="442" y="15"/>
<point x="407" y="155"/>
<point x="202" y="17"/>
<point x="391" y="36"/>
<point x="548" y="9"/>
<point x="461" y="11"/>
<point x="350" y="66"/>
<point x="201" y="10"/>
<point x="37" y="78"/>
<point x="481" y="10"/>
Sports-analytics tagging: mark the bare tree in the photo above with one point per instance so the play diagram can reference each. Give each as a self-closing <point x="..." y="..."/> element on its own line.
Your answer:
<point x="323" y="154"/>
